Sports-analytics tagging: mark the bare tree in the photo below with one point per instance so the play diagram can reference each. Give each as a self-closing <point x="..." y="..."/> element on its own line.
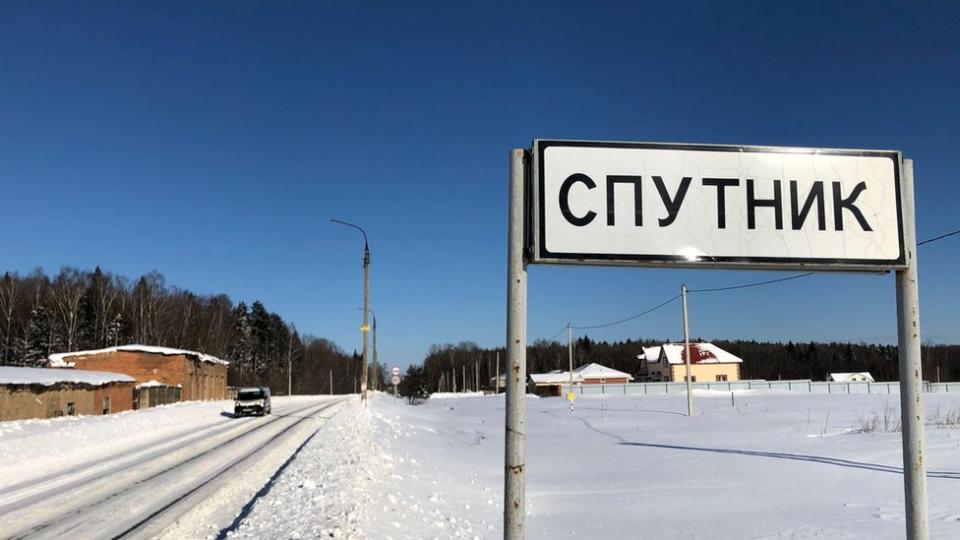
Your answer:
<point x="8" y="305"/>
<point x="68" y="290"/>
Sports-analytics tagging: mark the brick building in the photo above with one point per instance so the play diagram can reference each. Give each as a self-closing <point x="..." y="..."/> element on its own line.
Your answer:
<point x="200" y="376"/>
<point x="49" y="393"/>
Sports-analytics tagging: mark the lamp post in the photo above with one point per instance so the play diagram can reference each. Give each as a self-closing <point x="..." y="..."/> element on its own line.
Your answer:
<point x="376" y="366"/>
<point x="365" y="329"/>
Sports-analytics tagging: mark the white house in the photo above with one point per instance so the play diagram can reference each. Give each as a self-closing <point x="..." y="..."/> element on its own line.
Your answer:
<point x="861" y="376"/>
<point x="550" y="384"/>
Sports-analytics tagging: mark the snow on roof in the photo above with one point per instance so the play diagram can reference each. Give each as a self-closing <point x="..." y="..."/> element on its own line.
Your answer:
<point x="650" y="354"/>
<point x="700" y="353"/>
<point x="852" y="377"/>
<point x="59" y="359"/>
<point x="555" y="377"/>
<point x="18" y="376"/>
<point x="587" y="372"/>
<point x="596" y="371"/>
<point x="152" y="383"/>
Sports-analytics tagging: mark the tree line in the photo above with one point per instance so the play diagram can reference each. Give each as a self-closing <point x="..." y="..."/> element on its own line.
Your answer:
<point x="455" y="367"/>
<point x="80" y="310"/>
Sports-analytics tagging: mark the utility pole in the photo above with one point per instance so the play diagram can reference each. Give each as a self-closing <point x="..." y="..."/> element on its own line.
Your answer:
<point x="365" y="329"/>
<point x="686" y="349"/>
<point x="331" y="382"/>
<point x="476" y="376"/>
<point x="496" y="383"/>
<point x="570" y="357"/>
<point x="376" y="366"/>
<point x="463" y="369"/>
<point x="290" y="366"/>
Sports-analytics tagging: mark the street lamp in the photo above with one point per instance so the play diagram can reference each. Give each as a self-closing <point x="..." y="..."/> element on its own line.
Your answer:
<point x="376" y="366"/>
<point x="365" y="329"/>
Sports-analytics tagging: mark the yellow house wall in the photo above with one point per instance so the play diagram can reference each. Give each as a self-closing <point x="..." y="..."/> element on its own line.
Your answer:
<point x="706" y="372"/>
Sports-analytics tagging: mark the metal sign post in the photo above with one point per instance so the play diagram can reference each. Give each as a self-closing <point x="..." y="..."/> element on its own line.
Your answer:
<point x="514" y="498"/>
<point x="911" y="376"/>
<point x="713" y="206"/>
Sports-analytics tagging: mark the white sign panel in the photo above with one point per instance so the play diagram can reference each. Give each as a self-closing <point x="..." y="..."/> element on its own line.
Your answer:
<point x="395" y="380"/>
<point x="698" y="205"/>
<point x="395" y="370"/>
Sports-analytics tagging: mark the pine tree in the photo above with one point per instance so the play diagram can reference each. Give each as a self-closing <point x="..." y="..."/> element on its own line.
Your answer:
<point x="240" y="350"/>
<point x="39" y="338"/>
<point x="414" y="384"/>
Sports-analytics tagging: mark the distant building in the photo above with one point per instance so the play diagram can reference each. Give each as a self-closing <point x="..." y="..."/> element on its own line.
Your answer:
<point x="199" y="376"/>
<point x="49" y="393"/>
<point x="551" y="384"/>
<point x="861" y="376"/>
<point x="708" y="363"/>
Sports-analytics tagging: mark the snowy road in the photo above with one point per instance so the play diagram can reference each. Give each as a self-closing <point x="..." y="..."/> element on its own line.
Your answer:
<point x="139" y="485"/>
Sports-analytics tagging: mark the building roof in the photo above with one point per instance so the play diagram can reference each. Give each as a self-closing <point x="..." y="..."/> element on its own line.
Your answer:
<point x="650" y="354"/>
<point x="700" y="353"/>
<point x="596" y="371"/>
<point x="850" y="377"/>
<point x="25" y="376"/>
<point x="590" y="371"/>
<point x="555" y="377"/>
<point x="59" y="359"/>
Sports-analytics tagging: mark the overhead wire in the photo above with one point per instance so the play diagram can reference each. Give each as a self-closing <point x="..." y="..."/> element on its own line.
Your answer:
<point x="941" y="237"/>
<point x="630" y="318"/>
<point x="721" y="289"/>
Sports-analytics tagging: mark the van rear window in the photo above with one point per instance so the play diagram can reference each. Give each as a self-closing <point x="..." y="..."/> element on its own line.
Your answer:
<point x="250" y="394"/>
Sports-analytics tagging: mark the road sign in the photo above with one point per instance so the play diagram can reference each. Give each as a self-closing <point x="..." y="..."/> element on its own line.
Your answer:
<point x="700" y="205"/>
<point x="395" y="380"/>
<point x="395" y="370"/>
<point x="672" y="205"/>
<point x="364" y="328"/>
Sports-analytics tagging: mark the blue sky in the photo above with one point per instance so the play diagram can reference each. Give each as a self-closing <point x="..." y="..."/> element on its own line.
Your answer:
<point x="214" y="141"/>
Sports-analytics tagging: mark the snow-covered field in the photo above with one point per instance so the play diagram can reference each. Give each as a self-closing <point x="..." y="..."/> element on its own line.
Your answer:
<point x="769" y="466"/>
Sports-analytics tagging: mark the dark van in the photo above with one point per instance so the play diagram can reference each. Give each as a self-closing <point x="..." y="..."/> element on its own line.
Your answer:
<point x="253" y="400"/>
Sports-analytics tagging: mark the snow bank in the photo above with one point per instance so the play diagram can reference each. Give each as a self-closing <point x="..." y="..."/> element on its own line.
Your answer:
<point x="59" y="359"/>
<point x="456" y="395"/>
<point x="23" y="376"/>
<point x="153" y="383"/>
<point x="332" y="490"/>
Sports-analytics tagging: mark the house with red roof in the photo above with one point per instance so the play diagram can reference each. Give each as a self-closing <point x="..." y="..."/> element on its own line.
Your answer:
<point x="708" y="363"/>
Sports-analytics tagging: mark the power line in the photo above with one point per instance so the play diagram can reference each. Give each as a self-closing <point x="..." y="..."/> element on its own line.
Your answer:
<point x="551" y="338"/>
<point x="720" y="289"/>
<point x="941" y="237"/>
<point x="755" y="284"/>
<point x="630" y="318"/>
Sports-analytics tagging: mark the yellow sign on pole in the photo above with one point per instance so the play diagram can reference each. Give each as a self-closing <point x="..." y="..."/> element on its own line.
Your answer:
<point x="365" y="328"/>
<point x="571" y="396"/>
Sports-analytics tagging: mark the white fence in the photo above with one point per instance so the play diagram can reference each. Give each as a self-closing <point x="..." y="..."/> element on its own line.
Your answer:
<point x="802" y="386"/>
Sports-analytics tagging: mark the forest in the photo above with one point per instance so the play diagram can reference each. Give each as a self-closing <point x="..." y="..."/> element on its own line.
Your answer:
<point x="81" y="310"/>
<point x="453" y="367"/>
